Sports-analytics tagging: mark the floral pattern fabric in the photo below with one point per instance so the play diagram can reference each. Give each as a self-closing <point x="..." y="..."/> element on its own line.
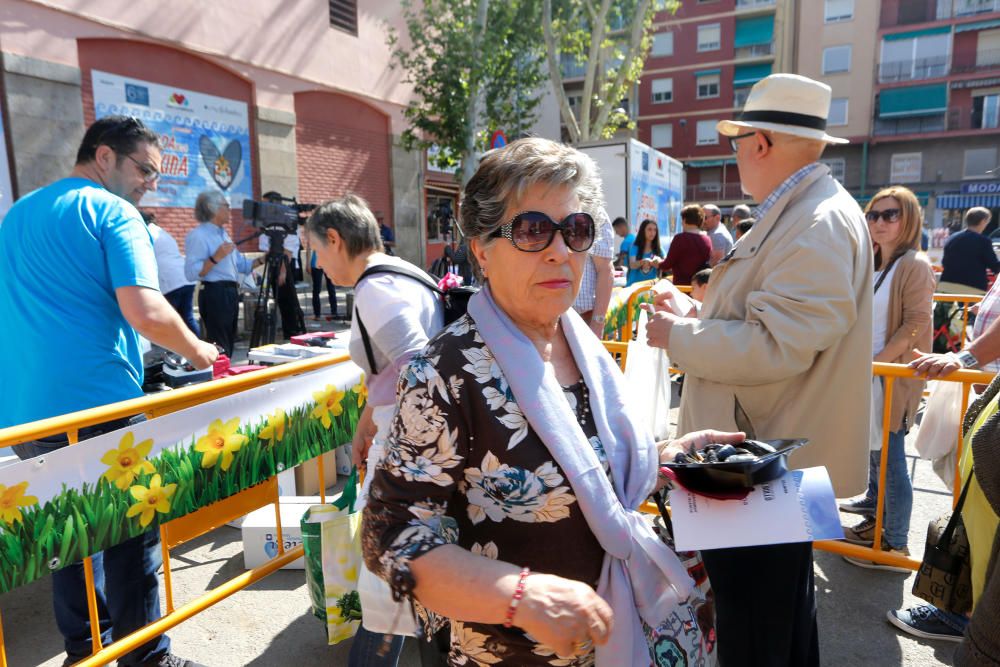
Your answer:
<point x="464" y="467"/>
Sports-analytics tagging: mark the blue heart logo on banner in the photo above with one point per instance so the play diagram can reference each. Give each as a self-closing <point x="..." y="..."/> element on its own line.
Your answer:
<point x="222" y="166"/>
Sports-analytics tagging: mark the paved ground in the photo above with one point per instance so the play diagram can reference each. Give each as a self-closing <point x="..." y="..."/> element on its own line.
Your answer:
<point x="269" y="624"/>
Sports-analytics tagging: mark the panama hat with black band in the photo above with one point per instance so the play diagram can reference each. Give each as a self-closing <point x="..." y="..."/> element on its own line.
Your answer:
<point x="785" y="103"/>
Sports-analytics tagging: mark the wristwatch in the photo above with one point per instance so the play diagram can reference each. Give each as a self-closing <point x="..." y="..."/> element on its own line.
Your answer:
<point x="967" y="359"/>
<point x="599" y="319"/>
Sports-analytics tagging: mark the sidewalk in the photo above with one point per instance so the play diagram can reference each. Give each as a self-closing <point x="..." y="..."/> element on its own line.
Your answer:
<point x="270" y="625"/>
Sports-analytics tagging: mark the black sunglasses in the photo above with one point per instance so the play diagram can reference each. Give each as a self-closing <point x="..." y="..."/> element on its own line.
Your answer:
<point x="890" y="215"/>
<point x="732" y="140"/>
<point x="533" y="231"/>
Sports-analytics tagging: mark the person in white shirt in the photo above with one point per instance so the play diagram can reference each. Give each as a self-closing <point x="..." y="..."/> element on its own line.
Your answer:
<point x="175" y="287"/>
<point x="722" y="241"/>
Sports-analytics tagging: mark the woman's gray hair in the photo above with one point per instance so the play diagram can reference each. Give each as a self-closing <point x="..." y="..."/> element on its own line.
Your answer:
<point x="504" y="174"/>
<point x="353" y="220"/>
<point x="208" y="204"/>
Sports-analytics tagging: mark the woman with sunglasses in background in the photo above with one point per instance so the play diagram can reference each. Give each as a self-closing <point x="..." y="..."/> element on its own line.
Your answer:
<point x="901" y="322"/>
<point x="645" y="255"/>
<point x="507" y="498"/>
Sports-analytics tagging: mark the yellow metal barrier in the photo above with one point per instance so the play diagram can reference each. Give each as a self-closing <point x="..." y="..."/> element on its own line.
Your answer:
<point x="188" y="527"/>
<point x="627" y="332"/>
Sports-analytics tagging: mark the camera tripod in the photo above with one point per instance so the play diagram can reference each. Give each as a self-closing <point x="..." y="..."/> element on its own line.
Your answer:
<point x="264" y="319"/>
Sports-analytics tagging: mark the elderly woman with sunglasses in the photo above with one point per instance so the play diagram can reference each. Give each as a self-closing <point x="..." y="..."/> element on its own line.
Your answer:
<point x="507" y="500"/>
<point x="901" y="322"/>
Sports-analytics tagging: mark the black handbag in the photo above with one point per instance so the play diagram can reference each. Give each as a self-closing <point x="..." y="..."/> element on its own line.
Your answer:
<point x="945" y="575"/>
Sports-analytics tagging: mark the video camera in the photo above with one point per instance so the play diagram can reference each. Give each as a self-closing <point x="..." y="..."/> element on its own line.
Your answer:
<point x="275" y="214"/>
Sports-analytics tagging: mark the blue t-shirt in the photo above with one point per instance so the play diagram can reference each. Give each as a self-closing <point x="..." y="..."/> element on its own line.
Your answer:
<point x="626" y="244"/>
<point x="638" y="275"/>
<point x="64" y="249"/>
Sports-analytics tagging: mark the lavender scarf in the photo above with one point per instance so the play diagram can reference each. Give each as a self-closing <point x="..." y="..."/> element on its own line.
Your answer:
<point x="641" y="578"/>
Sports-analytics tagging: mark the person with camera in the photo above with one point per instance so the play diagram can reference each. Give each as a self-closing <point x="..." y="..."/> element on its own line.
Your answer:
<point x="78" y="287"/>
<point x="213" y="259"/>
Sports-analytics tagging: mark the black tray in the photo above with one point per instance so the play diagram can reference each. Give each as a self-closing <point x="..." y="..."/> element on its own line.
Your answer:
<point x="717" y="477"/>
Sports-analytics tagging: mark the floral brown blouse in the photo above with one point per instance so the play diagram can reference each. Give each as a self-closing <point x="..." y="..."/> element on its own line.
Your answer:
<point x="462" y="466"/>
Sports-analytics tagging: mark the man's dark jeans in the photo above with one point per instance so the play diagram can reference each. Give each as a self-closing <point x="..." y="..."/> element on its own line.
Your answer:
<point x="125" y="578"/>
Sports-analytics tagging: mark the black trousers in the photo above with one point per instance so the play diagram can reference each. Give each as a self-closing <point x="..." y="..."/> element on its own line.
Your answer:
<point x="292" y="321"/>
<point x="318" y="276"/>
<point x="765" y="605"/>
<point x="219" y="307"/>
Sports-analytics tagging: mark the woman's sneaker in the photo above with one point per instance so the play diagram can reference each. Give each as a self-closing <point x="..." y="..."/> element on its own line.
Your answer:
<point x="863" y="533"/>
<point x="924" y="621"/>
<point x="872" y="565"/>
<point x="862" y="505"/>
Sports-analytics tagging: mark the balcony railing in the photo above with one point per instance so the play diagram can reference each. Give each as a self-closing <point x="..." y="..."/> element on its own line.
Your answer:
<point x="754" y="4"/>
<point x="985" y="60"/>
<point x="755" y="51"/>
<point x="972" y="119"/>
<point x="916" y="125"/>
<point x="923" y="11"/>
<point x="712" y="192"/>
<point x="570" y="68"/>
<point x="913" y="70"/>
<point x="971" y="7"/>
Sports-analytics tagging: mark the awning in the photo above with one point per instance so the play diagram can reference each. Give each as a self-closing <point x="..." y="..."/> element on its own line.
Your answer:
<point x="708" y="72"/>
<point x="967" y="201"/>
<point x="709" y="163"/>
<point x="754" y="30"/>
<point x="913" y="101"/>
<point x="943" y="30"/>
<point x="981" y="25"/>
<point x="747" y="75"/>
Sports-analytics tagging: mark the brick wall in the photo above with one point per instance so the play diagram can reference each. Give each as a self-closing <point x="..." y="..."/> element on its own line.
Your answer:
<point x="171" y="67"/>
<point x="343" y="145"/>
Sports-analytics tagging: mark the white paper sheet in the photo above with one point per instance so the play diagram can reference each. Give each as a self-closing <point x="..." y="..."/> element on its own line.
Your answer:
<point x="799" y="507"/>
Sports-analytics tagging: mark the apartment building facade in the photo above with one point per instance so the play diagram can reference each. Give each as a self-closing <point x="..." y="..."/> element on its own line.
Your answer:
<point x="703" y="62"/>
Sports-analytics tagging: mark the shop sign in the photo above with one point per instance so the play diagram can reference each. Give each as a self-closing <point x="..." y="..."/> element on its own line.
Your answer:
<point x="205" y="139"/>
<point x="981" y="188"/>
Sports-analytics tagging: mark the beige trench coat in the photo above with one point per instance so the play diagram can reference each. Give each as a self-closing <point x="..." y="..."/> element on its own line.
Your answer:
<point x="783" y="348"/>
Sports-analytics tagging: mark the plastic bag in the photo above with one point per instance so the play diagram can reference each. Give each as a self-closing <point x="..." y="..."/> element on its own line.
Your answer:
<point x="331" y="537"/>
<point x="938" y="433"/>
<point x="647" y="376"/>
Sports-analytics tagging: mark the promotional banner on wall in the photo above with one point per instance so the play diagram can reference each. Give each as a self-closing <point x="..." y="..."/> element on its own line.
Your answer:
<point x="78" y="500"/>
<point x="6" y="191"/>
<point x="205" y="139"/>
<point x="657" y="183"/>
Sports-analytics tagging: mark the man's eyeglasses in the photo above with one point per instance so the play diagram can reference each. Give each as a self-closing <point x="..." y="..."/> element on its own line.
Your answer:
<point x="735" y="147"/>
<point x="533" y="231"/>
<point x="890" y="215"/>
<point x="149" y="174"/>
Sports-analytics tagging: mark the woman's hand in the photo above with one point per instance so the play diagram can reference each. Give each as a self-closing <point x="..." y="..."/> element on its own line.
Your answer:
<point x="696" y="440"/>
<point x="565" y="615"/>
<point x="364" y="434"/>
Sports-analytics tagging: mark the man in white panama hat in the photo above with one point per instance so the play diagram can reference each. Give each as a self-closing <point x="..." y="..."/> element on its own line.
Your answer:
<point x="781" y="349"/>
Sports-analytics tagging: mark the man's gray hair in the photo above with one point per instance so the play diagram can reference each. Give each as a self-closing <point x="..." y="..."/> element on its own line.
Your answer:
<point x="711" y="209"/>
<point x="504" y="174"/>
<point x="208" y="204"/>
<point x="352" y="219"/>
<point x="976" y="215"/>
<point x="741" y="212"/>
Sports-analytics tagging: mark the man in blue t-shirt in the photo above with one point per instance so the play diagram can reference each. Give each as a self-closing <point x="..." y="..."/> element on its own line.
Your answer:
<point x="967" y="255"/>
<point x="620" y="226"/>
<point x="78" y="286"/>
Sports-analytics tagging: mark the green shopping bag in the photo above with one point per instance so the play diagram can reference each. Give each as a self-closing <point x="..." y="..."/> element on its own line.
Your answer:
<point x="331" y="539"/>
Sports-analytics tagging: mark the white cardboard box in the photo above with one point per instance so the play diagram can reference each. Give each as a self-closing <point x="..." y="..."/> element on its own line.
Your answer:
<point x="260" y="536"/>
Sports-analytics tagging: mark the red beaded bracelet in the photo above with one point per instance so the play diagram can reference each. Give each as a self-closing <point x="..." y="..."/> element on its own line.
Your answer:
<point x="516" y="598"/>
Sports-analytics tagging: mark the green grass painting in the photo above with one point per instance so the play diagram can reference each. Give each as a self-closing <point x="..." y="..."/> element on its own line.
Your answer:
<point x="136" y="492"/>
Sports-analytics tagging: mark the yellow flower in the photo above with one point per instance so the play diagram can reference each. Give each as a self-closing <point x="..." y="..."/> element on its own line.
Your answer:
<point x="275" y="429"/>
<point x="11" y="500"/>
<point x="328" y="404"/>
<point x="361" y="389"/>
<point x="222" y="439"/>
<point x="127" y="462"/>
<point x="152" y="500"/>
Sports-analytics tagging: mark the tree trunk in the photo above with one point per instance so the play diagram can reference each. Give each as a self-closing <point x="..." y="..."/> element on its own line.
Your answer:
<point x="470" y="160"/>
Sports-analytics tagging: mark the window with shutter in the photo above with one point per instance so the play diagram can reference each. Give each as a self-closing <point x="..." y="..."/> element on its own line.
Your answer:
<point x="344" y="15"/>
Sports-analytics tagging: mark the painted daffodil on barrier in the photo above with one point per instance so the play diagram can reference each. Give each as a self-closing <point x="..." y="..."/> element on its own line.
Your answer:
<point x="12" y="500"/>
<point x="154" y="499"/>
<point x="328" y="405"/>
<point x="361" y="389"/>
<point x="127" y="461"/>
<point x="275" y="429"/>
<point x="221" y="440"/>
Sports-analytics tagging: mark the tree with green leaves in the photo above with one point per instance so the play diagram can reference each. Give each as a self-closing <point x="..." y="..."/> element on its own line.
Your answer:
<point x="611" y="38"/>
<point x="475" y="67"/>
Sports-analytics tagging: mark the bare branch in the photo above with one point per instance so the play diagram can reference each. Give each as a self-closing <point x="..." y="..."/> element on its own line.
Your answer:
<point x="635" y="42"/>
<point x="594" y="56"/>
